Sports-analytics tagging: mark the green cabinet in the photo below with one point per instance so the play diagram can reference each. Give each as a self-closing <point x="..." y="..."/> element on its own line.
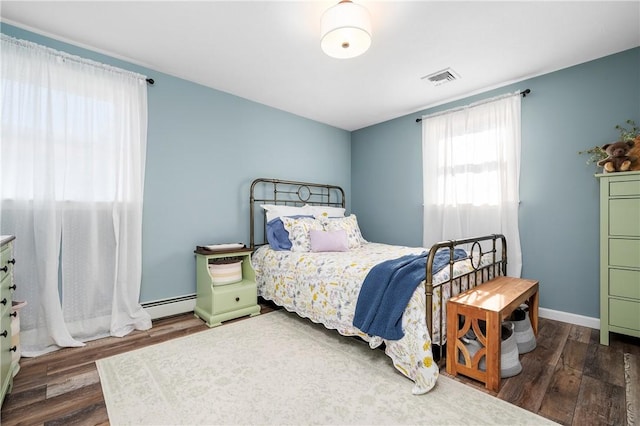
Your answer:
<point x="619" y="254"/>
<point x="219" y="300"/>
<point x="7" y="287"/>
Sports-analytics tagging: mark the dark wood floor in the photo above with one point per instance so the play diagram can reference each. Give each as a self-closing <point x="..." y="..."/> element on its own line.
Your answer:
<point x="569" y="377"/>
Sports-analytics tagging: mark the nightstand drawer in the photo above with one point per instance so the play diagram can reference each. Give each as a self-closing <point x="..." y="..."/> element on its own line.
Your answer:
<point x="234" y="296"/>
<point x="623" y="189"/>
<point x="624" y="313"/>
<point x="624" y="217"/>
<point x="624" y="283"/>
<point x="625" y="253"/>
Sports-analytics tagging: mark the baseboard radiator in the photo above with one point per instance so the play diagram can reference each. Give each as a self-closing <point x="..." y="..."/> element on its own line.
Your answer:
<point x="182" y="304"/>
<point x="172" y="306"/>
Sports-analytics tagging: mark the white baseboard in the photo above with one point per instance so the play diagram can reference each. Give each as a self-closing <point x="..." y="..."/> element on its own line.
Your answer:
<point x="180" y="305"/>
<point x="569" y="318"/>
<point x="168" y="307"/>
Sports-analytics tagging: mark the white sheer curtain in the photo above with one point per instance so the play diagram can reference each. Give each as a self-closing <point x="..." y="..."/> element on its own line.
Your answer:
<point x="72" y="158"/>
<point x="471" y="170"/>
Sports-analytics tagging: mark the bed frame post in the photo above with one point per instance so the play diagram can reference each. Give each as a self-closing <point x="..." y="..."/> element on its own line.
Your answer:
<point x="504" y="254"/>
<point x="429" y="295"/>
<point x="428" y="290"/>
<point x="252" y="216"/>
<point x="428" y="287"/>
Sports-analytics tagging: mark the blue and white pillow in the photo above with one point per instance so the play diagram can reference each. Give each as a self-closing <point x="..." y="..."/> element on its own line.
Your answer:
<point x="298" y="229"/>
<point x="350" y="225"/>
<point x="277" y="235"/>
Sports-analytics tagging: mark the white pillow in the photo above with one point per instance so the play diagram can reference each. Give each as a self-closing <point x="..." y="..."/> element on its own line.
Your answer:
<point x="275" y="211"/>
<point x="326" y="211"/>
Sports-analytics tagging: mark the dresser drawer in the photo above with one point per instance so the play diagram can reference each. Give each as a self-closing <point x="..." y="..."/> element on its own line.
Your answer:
<point x="624" y="189"/>
<point x="624" y="217"/>
<point x="625" y="253"/>
<point x="624" y="313"/>
<point x="234" y="296"/>
<point x="5" y="342"/>
<point x="5" y="284"/>
<point x="624" y="283"/>
<point x="6" y="261"/>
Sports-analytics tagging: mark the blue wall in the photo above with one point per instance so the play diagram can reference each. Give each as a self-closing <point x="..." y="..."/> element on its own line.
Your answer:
<point x="204" y="147"/>
<point x="567" y="111"/>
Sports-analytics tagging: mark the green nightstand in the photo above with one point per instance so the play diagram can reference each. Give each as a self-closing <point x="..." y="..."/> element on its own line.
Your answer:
<point x="215" y="302"/>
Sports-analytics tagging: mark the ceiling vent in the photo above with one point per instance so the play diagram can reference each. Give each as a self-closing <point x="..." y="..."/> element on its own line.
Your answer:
<point x="441" y="77"/>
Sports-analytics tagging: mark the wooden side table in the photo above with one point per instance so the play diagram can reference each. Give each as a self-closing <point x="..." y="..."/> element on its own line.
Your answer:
<point x="492" y="302"/>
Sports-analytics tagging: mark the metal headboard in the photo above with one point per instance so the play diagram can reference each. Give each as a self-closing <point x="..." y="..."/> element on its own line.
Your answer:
<point x="290" y="193"/>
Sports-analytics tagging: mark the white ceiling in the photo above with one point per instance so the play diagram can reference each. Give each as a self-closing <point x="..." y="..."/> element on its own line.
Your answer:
<point x="269" y="51"/>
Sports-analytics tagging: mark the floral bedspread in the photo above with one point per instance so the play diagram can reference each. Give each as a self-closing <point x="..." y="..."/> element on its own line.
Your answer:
<point x="324" y="287"/>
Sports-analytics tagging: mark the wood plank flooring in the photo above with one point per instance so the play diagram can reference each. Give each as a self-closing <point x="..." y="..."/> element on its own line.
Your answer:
<point x="569" y="378"/>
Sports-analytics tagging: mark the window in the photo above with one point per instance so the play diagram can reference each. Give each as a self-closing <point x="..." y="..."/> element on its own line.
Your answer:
<point x="471" y="167"/>
<point x="72" y="158"/>
<point x="472" y="172"/>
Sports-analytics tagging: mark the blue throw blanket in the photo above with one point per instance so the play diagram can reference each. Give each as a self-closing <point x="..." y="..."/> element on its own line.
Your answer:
<point x="387" y="289"/>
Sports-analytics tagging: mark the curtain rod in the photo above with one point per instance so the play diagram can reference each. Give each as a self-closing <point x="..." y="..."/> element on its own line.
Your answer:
<point x="524" y="94"/>
<point x="64" y="56"/>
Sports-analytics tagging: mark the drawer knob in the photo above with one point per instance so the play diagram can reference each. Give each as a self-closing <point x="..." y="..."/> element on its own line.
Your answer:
<point x="13" y="348"/>
<point x="4" y="333"/>
<point x="5" y="269"/>
<point x="14" y="314"/>
<point x="12" y="261"/>
<point x="237" y="299"/>
<point x="4" y="301"/>
<point x="12" y="287"/>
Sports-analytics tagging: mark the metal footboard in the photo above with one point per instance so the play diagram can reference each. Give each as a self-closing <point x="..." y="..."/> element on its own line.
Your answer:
<point x="493" y="246"/>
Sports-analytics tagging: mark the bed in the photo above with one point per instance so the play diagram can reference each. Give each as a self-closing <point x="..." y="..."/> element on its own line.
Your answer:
<point x="308" y="271"/>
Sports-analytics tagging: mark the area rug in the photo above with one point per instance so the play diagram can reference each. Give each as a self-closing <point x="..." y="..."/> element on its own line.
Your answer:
<point x="632" y="388"/>
<point x="277" y="368"/>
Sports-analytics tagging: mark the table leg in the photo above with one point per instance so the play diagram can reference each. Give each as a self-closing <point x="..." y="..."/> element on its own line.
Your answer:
<point x="452" y="333"/>
<point x="493" y="351"/>
<point x="533" y="312"/>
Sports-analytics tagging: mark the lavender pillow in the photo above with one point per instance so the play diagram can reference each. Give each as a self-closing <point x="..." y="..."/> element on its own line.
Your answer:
<point x="329" y="240"/>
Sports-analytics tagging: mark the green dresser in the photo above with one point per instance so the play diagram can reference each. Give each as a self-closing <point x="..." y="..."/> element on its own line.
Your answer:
<point x="216" y="302"/>
<point x="619" y="254"/>
<point x="7" y="287"/>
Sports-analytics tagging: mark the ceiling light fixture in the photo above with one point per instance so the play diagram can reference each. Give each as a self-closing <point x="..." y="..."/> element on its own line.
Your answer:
<point x="345" y="30"/>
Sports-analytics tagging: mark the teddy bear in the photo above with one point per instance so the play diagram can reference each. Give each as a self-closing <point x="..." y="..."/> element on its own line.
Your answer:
<point x="618" y="159"/>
